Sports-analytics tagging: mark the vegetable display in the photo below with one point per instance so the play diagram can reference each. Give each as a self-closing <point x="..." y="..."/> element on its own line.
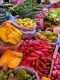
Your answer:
<point x="10" y="34"/>
<point x="27" y="9"/>
<point x="49" y="36"/>
<point x="53" y="14"/>
<point x="30" y="41"/>
<point x="20" y="73"/>
<point x="37" y="54"/>
<point x="26" y="23"/>
<point x="56" y="69"/>
<point x="53" y="18"/>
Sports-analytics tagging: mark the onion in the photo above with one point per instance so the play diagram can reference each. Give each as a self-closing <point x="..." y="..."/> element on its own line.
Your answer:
<point x="56" y="62"/>
<point x="58" y="73"/>
<point x="58" y="67"/>
<point x="59" y="62"/>
<point x="54" y="73"/>
<point x="59" y="78"/>
<point x="54" y="67"/>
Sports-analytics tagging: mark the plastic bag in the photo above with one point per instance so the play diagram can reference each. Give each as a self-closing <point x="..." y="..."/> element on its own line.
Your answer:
<point x="22" y="28"/>
<point x="29" y="69"/>
<point x="28" y="34"/>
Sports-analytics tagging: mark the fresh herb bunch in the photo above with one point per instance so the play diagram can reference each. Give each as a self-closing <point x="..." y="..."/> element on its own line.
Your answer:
<point x="27" y="9"/>
<point x="53" y="17"/>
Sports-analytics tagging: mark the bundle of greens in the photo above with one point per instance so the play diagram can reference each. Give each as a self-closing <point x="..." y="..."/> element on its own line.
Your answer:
<point x="27" y="9"/>
<point x="53" y="17"/>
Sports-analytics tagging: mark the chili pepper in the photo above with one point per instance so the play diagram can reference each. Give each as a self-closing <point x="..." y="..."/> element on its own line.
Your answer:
<point x="34" y="55"/>
<point x="31" y="49"/>
<point x="40" y="69"/>
<point x="32" y="58"/>
<point x="46" y="54"/>
<point x="26" y="63"/>
<point x="37" y="64"/>
<point x="43" y="65"/>
<point x="48" y="46"/>
<point x="38" y="48"/>
<point x="33" y="64"/>
<point x="38" y="53"/>
<point x="43" y="59"/>
<point x="46" y="71"/>
<point x="40" y="74"/>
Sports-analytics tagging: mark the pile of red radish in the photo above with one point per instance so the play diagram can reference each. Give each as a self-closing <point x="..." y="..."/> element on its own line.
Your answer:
<point x="56" y="69"/>
<point x="38" y="55"/>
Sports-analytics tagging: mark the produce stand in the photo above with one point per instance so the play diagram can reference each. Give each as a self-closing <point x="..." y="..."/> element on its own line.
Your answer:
<point x="29" y="40"/>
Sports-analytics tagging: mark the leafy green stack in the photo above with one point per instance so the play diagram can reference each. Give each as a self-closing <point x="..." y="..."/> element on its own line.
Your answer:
<point x="53" y="17"/>
<point x="27" y="9"/>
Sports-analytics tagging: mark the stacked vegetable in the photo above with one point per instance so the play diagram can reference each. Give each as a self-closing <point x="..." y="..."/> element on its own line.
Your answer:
<point x="10" y="34"/>
<point x="49" y="36"/>
<point x="53" y="17"/>
<point x="26" y="23"/>
<point x="27" y="9"/>
<point x="56" y="69"/>
<point x="17" y="74"/>
<point x="37" y="54"/>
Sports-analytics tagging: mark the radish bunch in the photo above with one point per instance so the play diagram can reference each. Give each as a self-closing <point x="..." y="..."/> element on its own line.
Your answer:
<point x="56" y="69"/>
